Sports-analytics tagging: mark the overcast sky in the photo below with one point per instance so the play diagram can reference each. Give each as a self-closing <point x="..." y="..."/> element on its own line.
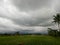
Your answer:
<point x="34" y="15"/>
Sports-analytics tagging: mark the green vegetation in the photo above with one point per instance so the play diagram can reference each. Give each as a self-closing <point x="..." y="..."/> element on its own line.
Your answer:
<point x="29" y="40"/>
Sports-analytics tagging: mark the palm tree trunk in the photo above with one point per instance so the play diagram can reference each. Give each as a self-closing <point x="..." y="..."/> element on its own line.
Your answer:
<point x="58" y="27"/>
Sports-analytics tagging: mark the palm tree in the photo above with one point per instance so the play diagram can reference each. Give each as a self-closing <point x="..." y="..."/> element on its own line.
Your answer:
<point x="56" y="19"/>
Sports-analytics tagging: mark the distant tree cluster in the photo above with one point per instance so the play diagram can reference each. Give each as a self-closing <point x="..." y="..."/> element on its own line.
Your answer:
<point x="18" y="33"/>
<point x="9" y="34"/>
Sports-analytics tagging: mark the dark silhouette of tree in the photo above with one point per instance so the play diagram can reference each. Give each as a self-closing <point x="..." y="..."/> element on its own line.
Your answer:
<point x="52" y="32"/>
<point x="56" y="19"/>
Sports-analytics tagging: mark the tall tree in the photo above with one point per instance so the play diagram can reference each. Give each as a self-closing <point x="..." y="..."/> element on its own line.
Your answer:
<point x="56" y="19"/>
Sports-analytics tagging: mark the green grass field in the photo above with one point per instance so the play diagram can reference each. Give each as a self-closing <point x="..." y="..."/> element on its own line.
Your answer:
<point x="29" y="40"/>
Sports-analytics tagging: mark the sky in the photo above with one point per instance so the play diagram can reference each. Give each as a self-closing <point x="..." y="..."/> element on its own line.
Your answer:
<point x="35" y="15"/>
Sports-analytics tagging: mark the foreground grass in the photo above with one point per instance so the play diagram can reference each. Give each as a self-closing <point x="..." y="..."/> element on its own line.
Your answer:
<point x="29" y="40"/>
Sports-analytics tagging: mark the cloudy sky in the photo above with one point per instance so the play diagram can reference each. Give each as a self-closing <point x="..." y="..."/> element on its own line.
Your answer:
<point x="27" y="14"/>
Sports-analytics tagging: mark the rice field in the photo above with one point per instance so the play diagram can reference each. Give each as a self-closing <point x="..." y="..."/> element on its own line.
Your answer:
<point x="29" y="40"/>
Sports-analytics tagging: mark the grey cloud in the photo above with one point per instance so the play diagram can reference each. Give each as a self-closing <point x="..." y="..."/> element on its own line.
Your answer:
<point x="32" y="19"/>
<point x="26" y="14"/>
<point x="37" y="18"/>
<point x="7" y="24"/>
<point x="57" y="8"/>
<point x="26" y="5"/>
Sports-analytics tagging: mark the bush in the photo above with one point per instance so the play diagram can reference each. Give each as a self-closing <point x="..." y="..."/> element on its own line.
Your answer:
<point x="52" y="32"/>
